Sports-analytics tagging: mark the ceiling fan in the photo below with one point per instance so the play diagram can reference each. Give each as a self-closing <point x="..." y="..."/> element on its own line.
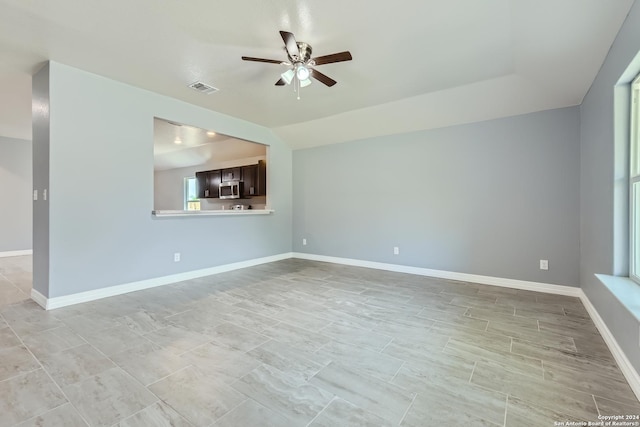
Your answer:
<point x="302" y="64"/>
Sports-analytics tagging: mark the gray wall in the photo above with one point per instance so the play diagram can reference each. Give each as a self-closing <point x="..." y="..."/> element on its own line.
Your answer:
<point x="490" y="198"/>
<point x="101" y="229"/>
<point x="603" y="168"/>
<point x="168" y="187"/>
<point x="16" y="206"/>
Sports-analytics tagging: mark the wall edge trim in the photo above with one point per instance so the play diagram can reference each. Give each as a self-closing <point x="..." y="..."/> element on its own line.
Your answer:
<point x="39" y="299"/>
<point x="450" y="275"/>
<point x="80" y="297"/>
<point x="629" y="372"/>
<point x="631" y="375"/>
<point x="16" y="253"/>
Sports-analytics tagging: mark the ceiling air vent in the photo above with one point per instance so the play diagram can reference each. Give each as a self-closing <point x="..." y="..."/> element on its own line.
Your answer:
<point x="203" y="87"/>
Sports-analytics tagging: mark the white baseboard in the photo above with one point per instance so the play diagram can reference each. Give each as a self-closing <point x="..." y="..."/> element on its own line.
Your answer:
<point x="63" y="301"/>
<point x="450" y="275"/>
<point x="629" y="372"/>
<point x="66" y="300"/>
<point x="625" y="365"/>
<point x="40" y="299"/>
<point x="16" y="253"/>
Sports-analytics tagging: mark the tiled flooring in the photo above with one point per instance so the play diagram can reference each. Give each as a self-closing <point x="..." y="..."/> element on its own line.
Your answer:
<point x="15" y="279"/>
<point x="298" y="343"/>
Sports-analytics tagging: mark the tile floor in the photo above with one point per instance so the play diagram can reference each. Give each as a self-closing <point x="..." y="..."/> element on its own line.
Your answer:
<point x="300" y="343"/>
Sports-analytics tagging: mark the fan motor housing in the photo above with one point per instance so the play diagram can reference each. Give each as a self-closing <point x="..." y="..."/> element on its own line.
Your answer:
<point x="305" y="53"/>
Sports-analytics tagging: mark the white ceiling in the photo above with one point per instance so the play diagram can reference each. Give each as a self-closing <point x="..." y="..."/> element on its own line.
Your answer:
<point x="196" y="146"/>
<point x="417" y="64"/>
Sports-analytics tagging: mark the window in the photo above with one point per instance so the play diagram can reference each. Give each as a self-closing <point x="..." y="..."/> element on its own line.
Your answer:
<point x="634" y="184"/>
<point x="191" y="201"/>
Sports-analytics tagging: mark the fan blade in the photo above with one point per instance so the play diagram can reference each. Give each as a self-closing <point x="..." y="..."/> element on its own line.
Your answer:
<point x="290" y="44"/>
<point x="270" y="61"/>
<point x="281" y="82"/>
<point x="322" y="78"/>
<point x="334" y="57"/>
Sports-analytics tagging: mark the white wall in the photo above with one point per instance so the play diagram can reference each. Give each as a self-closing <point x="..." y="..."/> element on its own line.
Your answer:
<point x="101" y="231"/>
<point x="16" y="206"/>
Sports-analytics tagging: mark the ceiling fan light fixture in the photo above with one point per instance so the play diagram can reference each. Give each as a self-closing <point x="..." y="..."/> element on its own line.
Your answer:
<point x="305" y="83"/>
<point x="302" y="72"/>
<point x="287" y="76"/>
<point x="302" y="64"/>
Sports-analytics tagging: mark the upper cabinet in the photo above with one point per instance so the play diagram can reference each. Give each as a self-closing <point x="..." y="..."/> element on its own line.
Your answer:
<point x="254" y="178"/>
<point x="213" y="180"/>
<point x="232" y="174"/>
<point x="208" y="184"/>
<point x="203" y="187"/>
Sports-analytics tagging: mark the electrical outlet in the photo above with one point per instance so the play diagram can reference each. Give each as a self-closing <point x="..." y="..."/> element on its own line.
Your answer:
<point x="304" y="242"/>
<point x="396" y="250"/>
<point x="35" y="195"/>
<point x="544" y="264"/>
<point x="176" y="257"/>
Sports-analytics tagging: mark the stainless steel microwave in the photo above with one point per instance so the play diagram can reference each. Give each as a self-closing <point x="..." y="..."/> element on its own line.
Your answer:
<point x="231" y="190"/>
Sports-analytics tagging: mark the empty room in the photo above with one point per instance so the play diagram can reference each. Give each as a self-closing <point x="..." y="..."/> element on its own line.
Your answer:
<point x="293" y="213"/>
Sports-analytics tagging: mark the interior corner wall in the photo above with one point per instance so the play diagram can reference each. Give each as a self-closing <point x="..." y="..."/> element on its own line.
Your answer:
<point x="101" y="229"/>
<point x="15" y="195"/>
<point x="40" y="161"/>
<point x="489" y="198"/>
<point x="599" y="204"/>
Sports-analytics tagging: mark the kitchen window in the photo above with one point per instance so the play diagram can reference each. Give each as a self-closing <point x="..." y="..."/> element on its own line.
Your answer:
<point x="634" y="184"/>
<point x="191" y="201"/>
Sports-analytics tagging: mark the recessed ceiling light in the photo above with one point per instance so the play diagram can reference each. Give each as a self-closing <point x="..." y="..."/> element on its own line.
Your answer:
<point x="211" y="133"/>
<point x="177" y="141"/>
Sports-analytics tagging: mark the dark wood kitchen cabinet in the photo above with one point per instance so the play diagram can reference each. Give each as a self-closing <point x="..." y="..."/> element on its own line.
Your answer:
<point x="213" y="180"/>
<point x="201" y="178"/>
<point x="231" y="174"/>
<point x="208" y="184"/>
<point x="255" y="180"/>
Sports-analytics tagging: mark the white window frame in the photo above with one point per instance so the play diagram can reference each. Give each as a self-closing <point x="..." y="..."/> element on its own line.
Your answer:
<point x="634" y="183"/>
<point x="185" y="194"/>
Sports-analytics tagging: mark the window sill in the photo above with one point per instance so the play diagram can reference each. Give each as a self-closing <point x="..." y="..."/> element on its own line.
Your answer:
<point x="224" y="212"/>
<point x="625" y="290"/>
